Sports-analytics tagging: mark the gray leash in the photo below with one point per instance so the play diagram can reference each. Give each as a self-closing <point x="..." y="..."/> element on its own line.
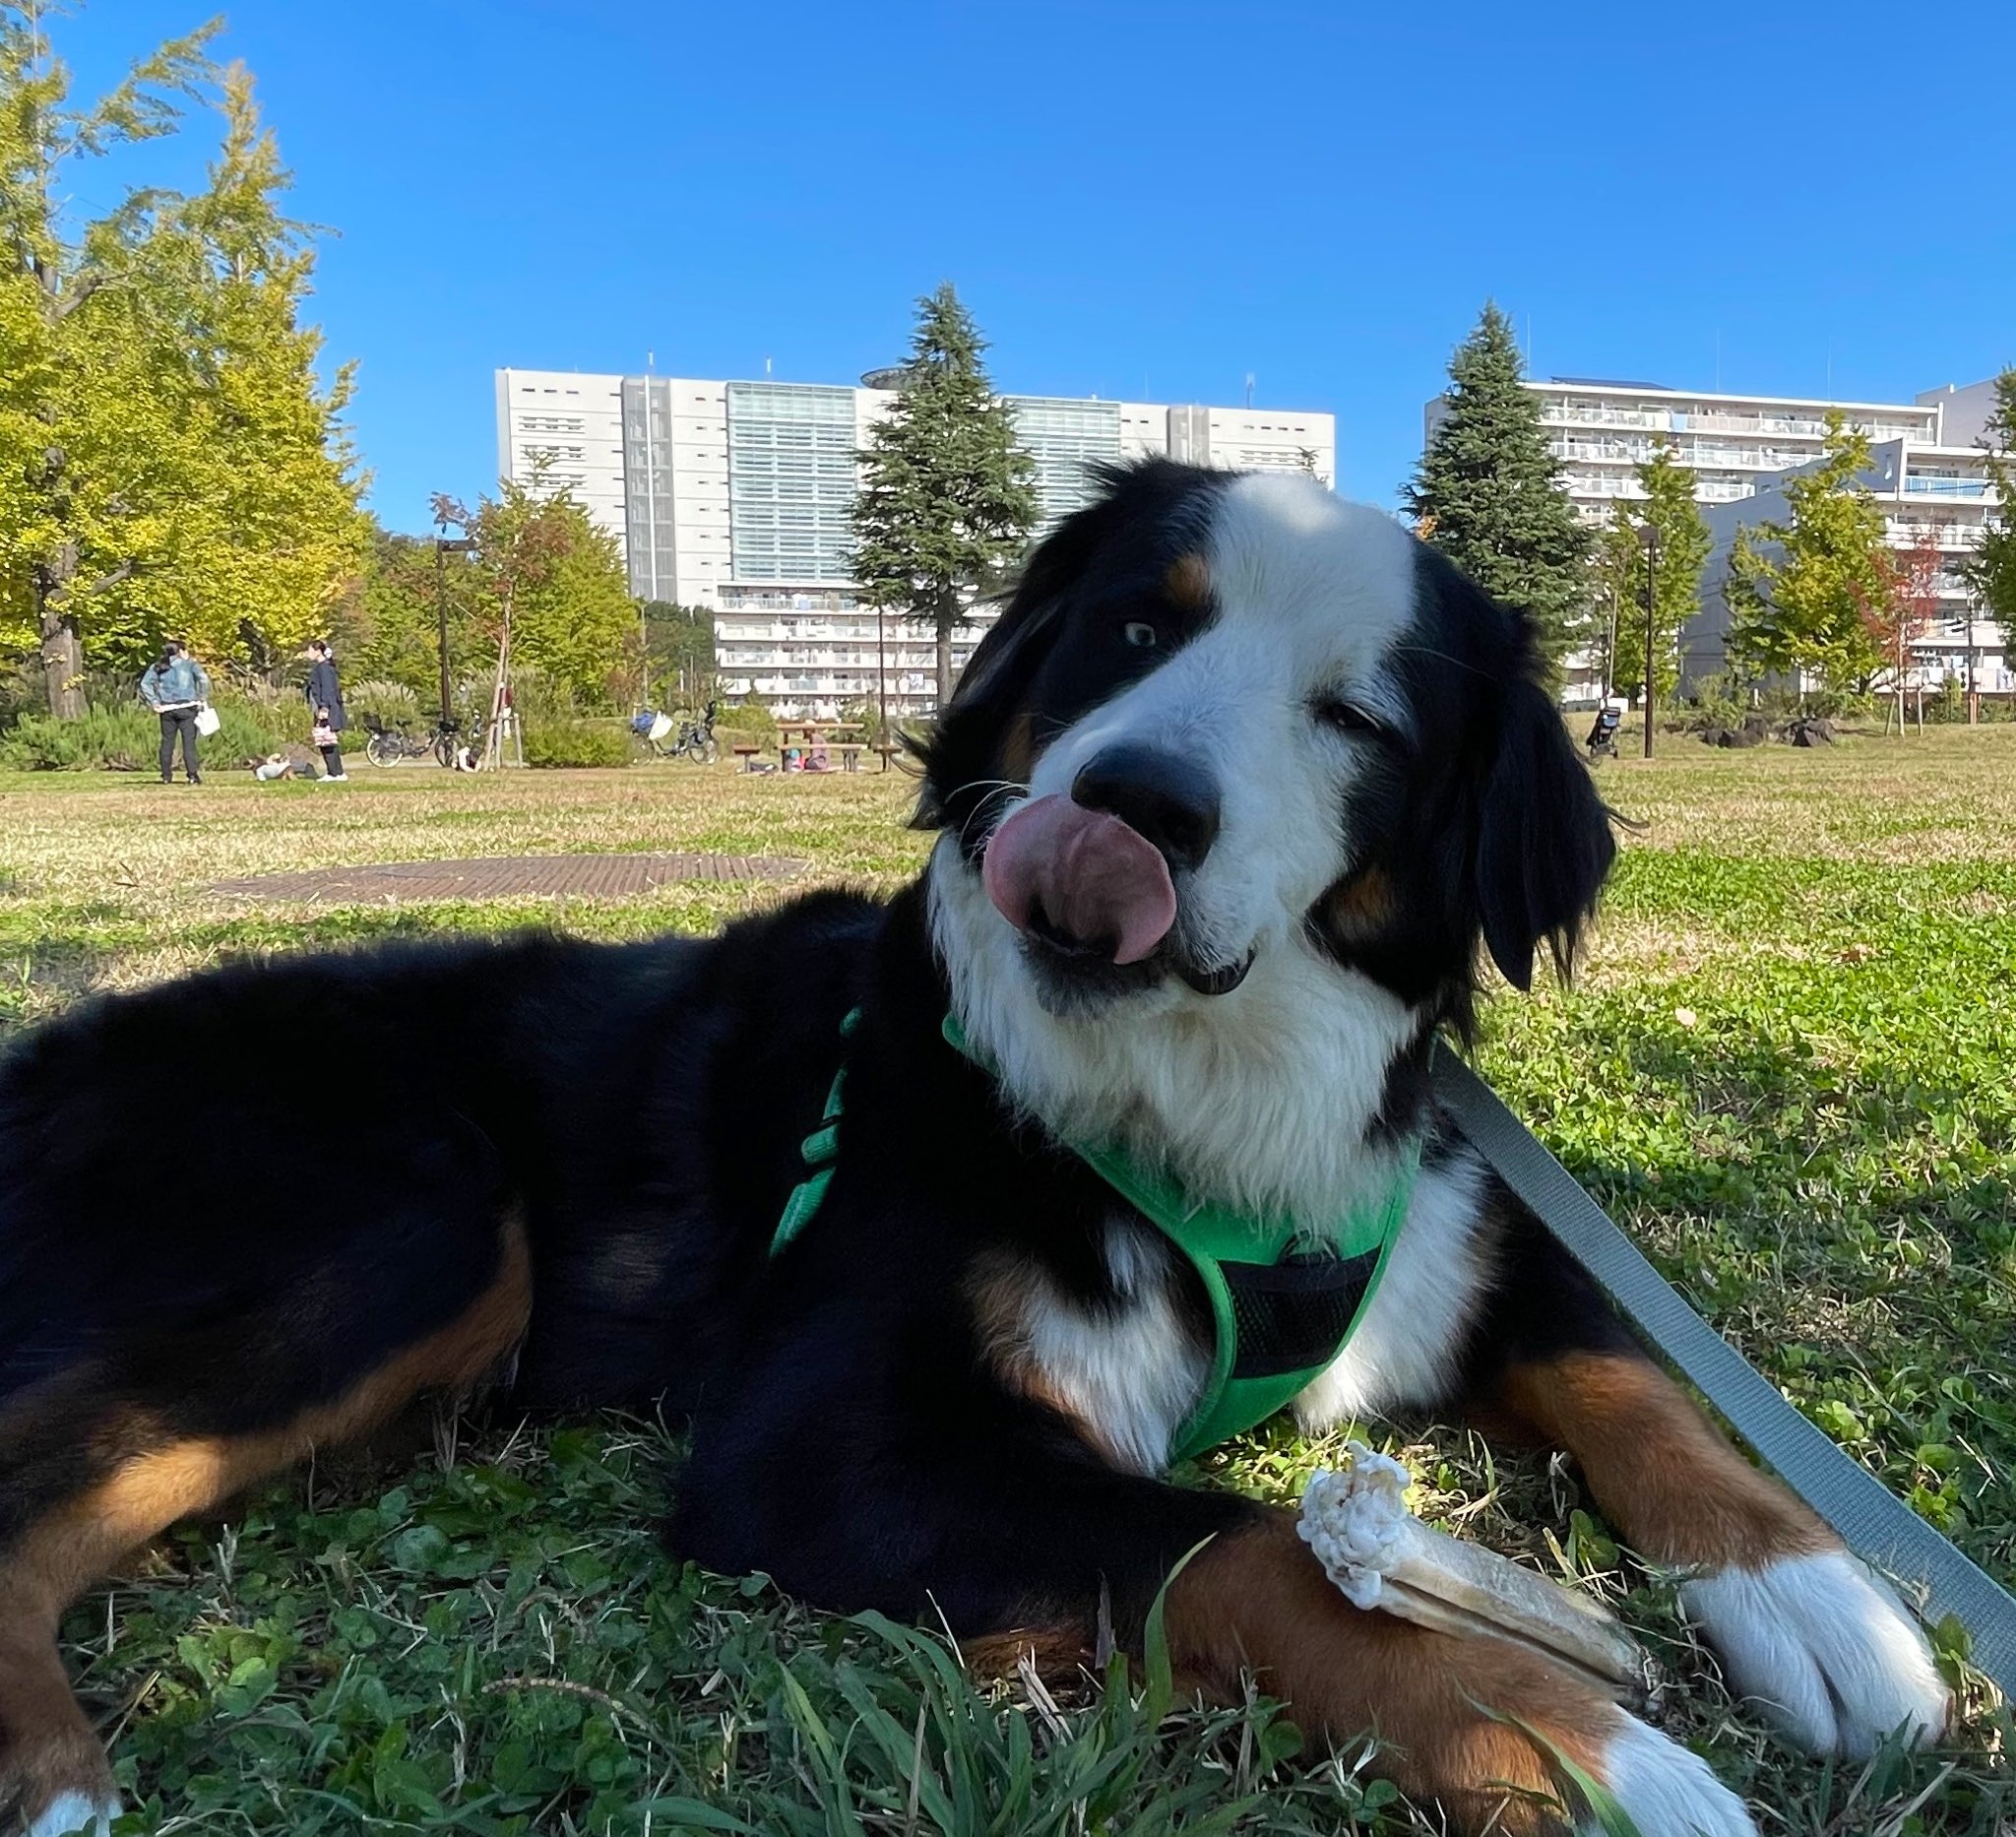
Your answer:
<point x="1879" y="1528"/>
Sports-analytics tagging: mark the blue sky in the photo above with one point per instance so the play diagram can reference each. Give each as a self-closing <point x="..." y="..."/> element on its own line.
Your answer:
<point x="1135" y="199"/>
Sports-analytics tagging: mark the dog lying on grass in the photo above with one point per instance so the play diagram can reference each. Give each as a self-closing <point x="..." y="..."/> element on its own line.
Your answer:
<point x="1231" y="801"/>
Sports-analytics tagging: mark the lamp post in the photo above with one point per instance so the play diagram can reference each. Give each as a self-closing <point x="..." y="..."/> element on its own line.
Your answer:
<point x="443" y="545"/>
<point x="1648" y="538"/>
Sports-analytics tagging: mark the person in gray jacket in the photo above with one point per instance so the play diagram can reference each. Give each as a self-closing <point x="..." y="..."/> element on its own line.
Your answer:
<point x="177" y="689"/>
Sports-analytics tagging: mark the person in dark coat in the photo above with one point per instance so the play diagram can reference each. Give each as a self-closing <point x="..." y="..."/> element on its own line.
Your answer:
<point x="325" y="692"/>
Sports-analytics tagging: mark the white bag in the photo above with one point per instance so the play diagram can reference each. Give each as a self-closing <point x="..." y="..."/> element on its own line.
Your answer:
<point x="661" y="727"/>
<point x="208" y="721"/>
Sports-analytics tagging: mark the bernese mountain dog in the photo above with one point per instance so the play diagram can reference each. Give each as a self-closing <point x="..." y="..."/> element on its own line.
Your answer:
<point x="1230" y="805"/>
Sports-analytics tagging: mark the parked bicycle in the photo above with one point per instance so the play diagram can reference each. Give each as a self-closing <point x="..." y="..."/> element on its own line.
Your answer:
<point x="445" y="740"/>
<point x="670" y="739"/>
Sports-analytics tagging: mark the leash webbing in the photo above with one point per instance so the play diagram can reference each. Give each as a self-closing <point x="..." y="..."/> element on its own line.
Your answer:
<point x="1877" y="1527"/>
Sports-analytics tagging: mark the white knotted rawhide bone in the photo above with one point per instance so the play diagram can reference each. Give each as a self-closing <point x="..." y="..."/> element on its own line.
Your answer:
<point x="1356" y="1522"/>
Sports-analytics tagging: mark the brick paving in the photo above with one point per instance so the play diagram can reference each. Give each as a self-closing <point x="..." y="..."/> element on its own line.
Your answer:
<point x="510" y="876"/>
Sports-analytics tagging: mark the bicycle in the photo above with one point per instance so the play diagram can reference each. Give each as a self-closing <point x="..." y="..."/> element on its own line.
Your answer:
<point x="669" y="740"/>
<point x="444" y="739"/>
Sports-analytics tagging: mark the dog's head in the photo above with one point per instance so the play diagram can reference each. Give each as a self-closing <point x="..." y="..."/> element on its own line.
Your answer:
<point x="1235" y="743"/>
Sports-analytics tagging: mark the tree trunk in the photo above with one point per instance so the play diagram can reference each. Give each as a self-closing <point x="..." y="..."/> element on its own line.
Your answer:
<point x="62" y="645"/>
<point x="948" y="616"/>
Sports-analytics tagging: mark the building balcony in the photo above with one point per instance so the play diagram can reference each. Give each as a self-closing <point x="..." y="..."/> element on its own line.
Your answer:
<point x="1916" y="484"/>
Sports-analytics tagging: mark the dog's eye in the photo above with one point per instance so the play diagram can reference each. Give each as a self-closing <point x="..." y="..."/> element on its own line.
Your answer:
<point x="1347" y="717"/>
<point x="1140" y="634"/>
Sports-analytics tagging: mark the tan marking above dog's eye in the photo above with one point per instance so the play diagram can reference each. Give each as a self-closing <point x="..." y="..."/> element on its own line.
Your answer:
<point x="1139" y="633"/>
<point x="1188" y="583"/>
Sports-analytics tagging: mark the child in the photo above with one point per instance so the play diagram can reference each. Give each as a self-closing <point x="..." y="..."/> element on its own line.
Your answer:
<point x="324" y="737"/>
<point x="274" y="766"/>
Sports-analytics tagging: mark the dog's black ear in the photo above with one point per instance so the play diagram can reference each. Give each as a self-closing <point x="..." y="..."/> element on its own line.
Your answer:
<point x="968" y="745"/>
<point x="1544" y="844"/>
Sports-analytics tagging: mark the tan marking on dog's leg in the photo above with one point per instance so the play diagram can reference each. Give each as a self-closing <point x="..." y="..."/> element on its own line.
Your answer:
<point x="1676" y="1488"/>
<point x="1257" y="1601"/>
<point x="46" y="1747"/>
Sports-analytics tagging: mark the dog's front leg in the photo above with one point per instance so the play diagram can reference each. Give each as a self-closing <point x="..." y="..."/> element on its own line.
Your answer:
<point x="1801" y="1626"/>
<point x="1000" y="1519"/>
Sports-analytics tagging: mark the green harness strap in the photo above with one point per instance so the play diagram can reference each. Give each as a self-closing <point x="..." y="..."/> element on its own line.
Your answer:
<point x="1284" y="1298"/>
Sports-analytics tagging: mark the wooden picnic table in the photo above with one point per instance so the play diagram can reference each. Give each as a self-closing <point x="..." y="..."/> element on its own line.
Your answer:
<point x="817" y="732"/>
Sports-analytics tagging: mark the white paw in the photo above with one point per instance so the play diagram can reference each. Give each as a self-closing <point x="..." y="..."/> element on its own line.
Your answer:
<point x="1669" y="1792"/>
<point x="1825" y="1648"/>
<point x="74" y="1811"/>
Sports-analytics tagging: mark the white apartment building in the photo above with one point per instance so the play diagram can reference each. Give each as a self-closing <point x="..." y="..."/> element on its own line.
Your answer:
<point x="1935" y="498"/>
<point x="735" y="497"/>
<point x="1602" y="433"/>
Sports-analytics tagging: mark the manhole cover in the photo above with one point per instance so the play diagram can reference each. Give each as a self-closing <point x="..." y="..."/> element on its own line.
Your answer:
<point x="492" y="877"/>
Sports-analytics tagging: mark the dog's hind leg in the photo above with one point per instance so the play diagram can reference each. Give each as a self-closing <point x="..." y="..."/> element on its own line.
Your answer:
<point x="145" y="1461"/>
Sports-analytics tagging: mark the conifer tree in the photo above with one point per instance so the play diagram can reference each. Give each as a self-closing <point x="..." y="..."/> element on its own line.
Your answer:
<point x="945" y="501"/>
<point x="1990" y="570"/>
<point x="1490" y="496"/>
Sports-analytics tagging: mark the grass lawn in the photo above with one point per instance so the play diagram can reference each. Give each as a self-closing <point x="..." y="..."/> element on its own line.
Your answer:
<point x="1787" y="1069"/>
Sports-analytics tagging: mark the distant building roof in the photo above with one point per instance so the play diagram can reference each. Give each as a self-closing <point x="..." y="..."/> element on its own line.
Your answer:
<point x="1606" y="382"/>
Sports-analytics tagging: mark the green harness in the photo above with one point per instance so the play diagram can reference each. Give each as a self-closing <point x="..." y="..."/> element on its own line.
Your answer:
<point x="1284" y="1300"/>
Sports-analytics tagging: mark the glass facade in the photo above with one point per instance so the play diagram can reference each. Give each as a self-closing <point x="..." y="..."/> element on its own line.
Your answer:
<point x="648" y="486"/>
<point x="1065" y="437"/>
<point x="791" y="480"/>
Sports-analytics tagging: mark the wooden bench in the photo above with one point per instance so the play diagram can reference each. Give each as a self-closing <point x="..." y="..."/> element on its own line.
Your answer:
<point x="748" y="755"/>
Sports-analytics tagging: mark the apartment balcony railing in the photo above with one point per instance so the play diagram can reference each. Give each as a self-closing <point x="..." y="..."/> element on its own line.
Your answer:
<point x="1917" y="485"/>
<point x="1931" y="535"/>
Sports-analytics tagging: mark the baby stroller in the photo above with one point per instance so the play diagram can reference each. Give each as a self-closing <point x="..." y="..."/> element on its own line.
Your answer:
<point x="1603" y="738"/>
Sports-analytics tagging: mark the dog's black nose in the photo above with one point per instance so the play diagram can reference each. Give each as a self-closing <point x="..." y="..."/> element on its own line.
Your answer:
<point x="1158" y="794"/>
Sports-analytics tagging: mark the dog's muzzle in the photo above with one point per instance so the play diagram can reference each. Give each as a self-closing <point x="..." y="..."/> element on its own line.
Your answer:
<point x="1092" y="876"/>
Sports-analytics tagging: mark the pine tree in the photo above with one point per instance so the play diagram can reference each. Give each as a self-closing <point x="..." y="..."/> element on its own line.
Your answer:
<point x="1490" y="495"/>
<point x="1809" y="597"/>
<point x="1670" y="512"/>
<point x="945" y="501"/>
<point x="169" y="462"/>
<point x="1990" y="570"/>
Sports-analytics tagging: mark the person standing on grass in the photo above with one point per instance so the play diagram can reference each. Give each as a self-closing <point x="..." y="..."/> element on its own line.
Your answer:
<point x="325" y="697"/>
<point x="177" y="689"/>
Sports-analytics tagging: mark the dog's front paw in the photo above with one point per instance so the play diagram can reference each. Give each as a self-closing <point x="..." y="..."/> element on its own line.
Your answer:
<point x="1666" y="1790"/>
<point x="1825" y="1648"/>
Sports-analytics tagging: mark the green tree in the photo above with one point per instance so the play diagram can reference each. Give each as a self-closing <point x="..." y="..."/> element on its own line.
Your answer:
<point x="1809" y="597"/>
<point x="679" y="642"/>
<point x="385" y="627"/>
<point x="1617" y="577"/>
<point x="548" y="590"/>
<point x="945" y="501"/>
<point x="1670" y="512"/>
<point x="172" y="462"/>
<point x="1990" y="569"/>
<point x="1487" y="492"/>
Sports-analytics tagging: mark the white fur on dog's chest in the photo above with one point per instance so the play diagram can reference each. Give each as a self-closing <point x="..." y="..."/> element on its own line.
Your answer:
<point x="1134" y="1371"/>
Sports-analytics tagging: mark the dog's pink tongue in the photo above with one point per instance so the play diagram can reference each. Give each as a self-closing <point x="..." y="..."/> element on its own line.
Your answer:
<point x="1087" y="873"/>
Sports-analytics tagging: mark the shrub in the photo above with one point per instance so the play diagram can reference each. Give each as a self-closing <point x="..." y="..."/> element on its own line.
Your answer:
<point x="115" y="739"/>
<point x="751" y="718"/>
<point x="128" y="739"/>
<point x="388" y="703"/>
<point x="577" y="740"/>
